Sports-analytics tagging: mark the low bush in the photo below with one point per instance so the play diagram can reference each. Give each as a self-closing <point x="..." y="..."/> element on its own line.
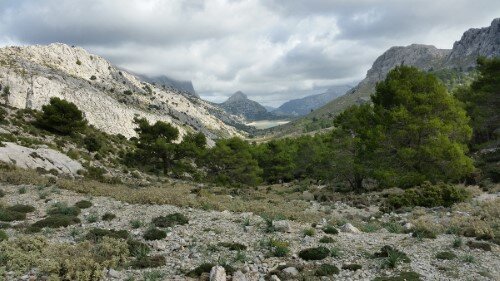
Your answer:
<point x="2" y="193"/>
<point x="423" y="232"/>
<point x="21" y="208"/>
<point x="393" y="257"/>
<point x="317" y="253"/>
<point x="426" y="195"/>
<point x="108" y="217"/>
<point x="148" y="262"/>
<point x="83" y="204"/>
<point x="56" y="221"/>
<point x="4" y="225"/>
<point x="136" y="224"/>
<point x="351" y="267"/>
<point x="8" y="215"/>
<point x="97" y="234"/>
<point x="233" y="246"/>
<point x="326" y="239"/>
<point x="446" y="255"/>
<point x="3" y="236"/>
<point x="154" y="234"/>
<point x="326" y="269"/>
<point x="479" y="245"/>
<point x="200" y="269"/>
<point x="138" y="249"/>
<point x="309" y="232"/>
<point x="279" y="248"/>
<point x="62" y="208"/>
<point x="330" y="230"/>
<point x="170" y="220"/>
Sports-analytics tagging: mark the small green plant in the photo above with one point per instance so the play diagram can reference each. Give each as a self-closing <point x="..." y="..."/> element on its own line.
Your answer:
<point x="8" y="216"/>
<point x="392" y="256"/>
<point x="62" y="208"/>
<point x="92" y="217"/>
<point x="154" y="234"/>
<point x="22" y="190"/>
<point x="309" y="232"/>
<point x="329" y="229"/>
<point x="468" y="258"/>
<point x="240" y="257"/>
<point x="170" y="220"/>
<point x="317" y="253"/>
<point x="97" y="234"/>
<point x="326" y="239"/>
<point x="326" y="269"/>
<point x="233" y="246"/>
<point x="446" y="255"/>
<point x="108" y="217"/>
<point x="56" y="221"/>
<point x="93" y="77"/>
<point x="200" y="269"/>
<point x="394" y="227"/>
<point x="20" y="208"/>
<point x="148" y="262"/>
<point x="422" y="232"/>
<point x="83" y="204"/>
<point x="3" y="236"/>
<point x="370" y="227"/>
<point x="479" y="245"/>
<point x="279" y="248"/>
<point x="153" y="275"/>
<point x="351" y="267"/>
<point x="335" y="252"/>
<point x="136" y="224"/>
<point x="457" y="242"/>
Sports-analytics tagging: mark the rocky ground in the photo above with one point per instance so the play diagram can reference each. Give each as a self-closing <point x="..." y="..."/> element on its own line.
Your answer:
<point x="189" y="245"/>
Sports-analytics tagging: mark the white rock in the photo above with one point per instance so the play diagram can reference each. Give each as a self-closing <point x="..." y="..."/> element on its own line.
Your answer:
<point x="274" y="278"/>
<point x="239" y="276"/>
<point x="281" y="225"/>
<point x="349" y="228"/>
<point x="291" y="270"/>
<point x="218" y="273"/>
<point x="114" y="274"/>
<point x="408" y="226"/>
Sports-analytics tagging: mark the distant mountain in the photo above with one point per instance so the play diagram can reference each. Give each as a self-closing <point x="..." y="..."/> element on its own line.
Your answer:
<point x="305" y="105"/>
<point x="169" y="83"/>
<point x="445" y="63"/>
<point x="269" y="108"/>
<point x="239" y="104"/>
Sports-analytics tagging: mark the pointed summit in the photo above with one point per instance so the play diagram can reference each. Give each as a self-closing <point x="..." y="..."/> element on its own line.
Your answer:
<point x="237" y="96"/>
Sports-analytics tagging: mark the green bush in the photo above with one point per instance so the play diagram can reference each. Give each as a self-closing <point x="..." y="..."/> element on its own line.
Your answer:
<point x="326" y="239"/>
<point x="2" y="193"/>
<point x="330" y="230"/>
<point x="309" y="232"/>
<point x="138" y="249"/>
<point x="279" y="248"/>
<point x="200" y="269"/>
<point x="422" y="232"/>
<point x="8" y="216"/>
<point x="317" y="253"/>
<point x="92" y="143"/>
<point x="97" y="234"/>
<point x="56" y="221"/>
<point x="3" y="236"/>
<point x="427" y="195"/>
<point x="20" y="208"/>
<point x="479" y="245"/>
<point x="108" y="217"/>
<point x="62" y="208"/>
<point x="446" y="255"/>
<point x="154" y="234"/>
<point x="170" y="220"/>
<point x="93" y="77"/>
<point x="393" y="257"/>
<point x="326" y="269"/>
<point x="148" y="262"/>
<point x="62" y="117"/>
<point x="351" y="267"/>
<point x="233" y="246"/>
<point x="83" y="204"/>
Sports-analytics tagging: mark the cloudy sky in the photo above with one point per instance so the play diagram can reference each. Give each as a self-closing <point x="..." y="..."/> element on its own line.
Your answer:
<point x="269" y="49"/>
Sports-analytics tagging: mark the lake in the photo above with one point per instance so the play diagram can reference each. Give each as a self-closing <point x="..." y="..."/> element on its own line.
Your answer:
<point x="264" y="124"/>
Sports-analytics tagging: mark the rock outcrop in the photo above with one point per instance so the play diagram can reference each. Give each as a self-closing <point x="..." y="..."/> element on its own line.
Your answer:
<point x="239" y="104"/>
<point x="109" y="97"/>
<point x="41" y="158"/>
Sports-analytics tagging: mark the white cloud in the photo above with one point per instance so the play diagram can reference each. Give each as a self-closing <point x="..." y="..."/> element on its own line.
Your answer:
<point x="259" y="47"/>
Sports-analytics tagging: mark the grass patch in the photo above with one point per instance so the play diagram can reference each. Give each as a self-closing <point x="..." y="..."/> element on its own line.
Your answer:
<point x="108" y="217"/>
<point x="8" y="216"/>
<point x="62" y="208"/>
<point x="148" y="262"/>
<point x="97" y="234"/>
<point x="83" y="204"/>
<point x="317" y="253"/>
<point x="154" y="234"/>
<point x="233" y="246"/>
<point x="20" y="208"/>
<point x="56" y="221"/>
<point x="330" y="230"/>
<point x="326" y="269"/>
<point x="446" y="255"/>
<point x="170" y="220"/>
<point x="326" y="239"/>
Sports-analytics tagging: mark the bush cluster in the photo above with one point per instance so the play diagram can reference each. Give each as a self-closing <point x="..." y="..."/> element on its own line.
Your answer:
<point x="170" y="220"/>
<point x="317" y="253"/>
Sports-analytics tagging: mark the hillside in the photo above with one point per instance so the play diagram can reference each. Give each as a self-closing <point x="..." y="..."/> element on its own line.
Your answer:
<point x="110" y="97"/>
<point x="238" y="104"/>
<point x="167" y="82"/>
<point x="459" y="61"/>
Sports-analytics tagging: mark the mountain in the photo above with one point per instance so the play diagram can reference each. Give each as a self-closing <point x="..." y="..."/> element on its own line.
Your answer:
<point x="110" y="98"/>
<point x="166" y="82"/>
<point x="269" y="108"/>
<point x="303" y="106"/>
<point x="238" y="104"/>
<point x="458" y="61"/>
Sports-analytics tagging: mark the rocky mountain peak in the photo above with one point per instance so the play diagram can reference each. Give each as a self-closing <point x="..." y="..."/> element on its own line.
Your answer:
<point x="238" y="96"/>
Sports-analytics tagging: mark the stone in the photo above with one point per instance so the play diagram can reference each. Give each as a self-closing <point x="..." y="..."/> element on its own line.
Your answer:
<point x="281" y="226"/>
<point x="217" y="273"/>
<point x="349" y="228"/>
<point x="308" y="196"/>
<point x="239" y="276"/>
<point x="408" y="226"/>
<point x="274" y="278"/>
<point x="291" y="270"/>
<point x="114" y="274"/>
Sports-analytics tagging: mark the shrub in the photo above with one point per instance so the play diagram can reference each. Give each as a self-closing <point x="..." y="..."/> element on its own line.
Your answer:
<point x="108" y="217"/>
<point x="92" y="217"/>
<point x="83" y="204"/>
<point x="93" y="77"/>
<point x="479" y="245"/>
<point x="136" y="224"/>
<point x="351" y="267"/>
<point x="8" y="216"/>
<point x="447" y="255"/>
<point x="138" y="249"/>
<point x="309" y="232"/>
<point x="154" y="234"/>
<point x="92" y="143"/>
<point x="127" y="92"/>
<point x="56" y="221"/>
<point x="423" y="232"/>
<point x="279" y="248"/>
<point x="326" y="239"/>
<point x="330" y="230"/>
<point x="97" y="234"/>
<point x="62" y="117"/>
<point x="233" y="246"/>
<point x="3" y="237"/>
<point x="392" y="256"/>
<point x="148" y="262"/>
<point x="457" y="242"/>
<point x="326" y="269"/>
<point x="2" y="193"/>
<point x="22" y="190"/>
<point x="317" y="253"/>
<point x="427" y="195"/>
<point x="394" y="227"/>
<point x="200" y="269"/>
<point x="170" y="220"/>
<point x="62" y="208"/>
<point x="21" y="208"/>
<point x="4" y="225"/>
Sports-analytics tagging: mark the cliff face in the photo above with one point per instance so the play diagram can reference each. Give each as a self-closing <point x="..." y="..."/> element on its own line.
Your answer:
<point x="109" y="97"/>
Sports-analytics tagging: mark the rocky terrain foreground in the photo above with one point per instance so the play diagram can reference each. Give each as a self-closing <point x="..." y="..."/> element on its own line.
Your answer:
<point x="246" y="244"/>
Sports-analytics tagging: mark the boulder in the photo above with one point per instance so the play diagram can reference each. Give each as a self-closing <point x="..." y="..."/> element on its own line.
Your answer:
<point x="281" y="225"/>
<point x="291" y="271"/>
<point x="218" y="273"/>
<point x="239" y="276"/>
<point x="349" y="228"/>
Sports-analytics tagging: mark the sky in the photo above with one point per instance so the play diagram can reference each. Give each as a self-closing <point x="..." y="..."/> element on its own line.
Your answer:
<point x="273" y="50"/>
